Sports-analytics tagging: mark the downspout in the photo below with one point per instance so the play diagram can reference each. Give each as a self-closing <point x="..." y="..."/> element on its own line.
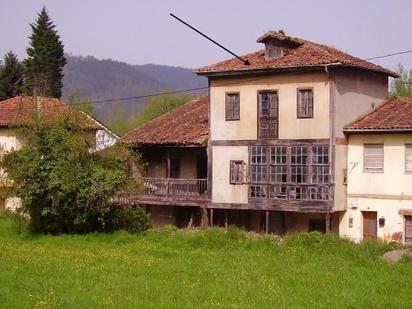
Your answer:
<point x="332" y="113"/>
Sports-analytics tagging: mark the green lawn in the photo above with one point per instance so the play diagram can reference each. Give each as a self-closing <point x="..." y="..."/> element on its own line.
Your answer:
<point x="196" y="269"/>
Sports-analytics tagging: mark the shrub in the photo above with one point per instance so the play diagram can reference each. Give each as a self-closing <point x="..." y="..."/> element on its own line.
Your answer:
<point x="64" y="186"/>
<point x="133" y="219"/>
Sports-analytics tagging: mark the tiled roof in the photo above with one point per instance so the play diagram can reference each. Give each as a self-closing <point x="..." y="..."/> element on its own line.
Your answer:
<point x="393" y="115"/>
<point x="185" y="125"/>
<point x="299" y="54"/>
<point x="19" y="111"/>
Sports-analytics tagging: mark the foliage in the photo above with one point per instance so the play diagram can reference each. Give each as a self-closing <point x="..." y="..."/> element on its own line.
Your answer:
<point x="11" y="77"/>
<point x="153" y="108"/>
<point x="65" y="187"/>
<point x="402" y="86"/>
<point x="133" y="219"/>
<point x="197" y="268"/>
<point x="84" y="105"/>
<point x="43" y="67"/>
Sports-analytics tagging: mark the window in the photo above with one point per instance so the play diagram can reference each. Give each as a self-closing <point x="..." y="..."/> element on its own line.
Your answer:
<point x="268" y="114"/>
<point x="232" y="106"/>
<point x="320" y="164"/>
<point x="278" y="164"/>
<point x="408" y="158"/>
<point x="305" y="103"/>
<point x="237" y="172"/>
<point x="258" y="165"/>
<point x="290" y="172"/>
<point x="373" y="158"/>
<point x="273" y="52"/>
<point x="299" y="161"/>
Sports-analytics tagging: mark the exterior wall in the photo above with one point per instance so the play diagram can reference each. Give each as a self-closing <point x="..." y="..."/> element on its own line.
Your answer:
<point x="222" y="190"/>
<point x="385" y="208"/>
<point x="299" y="222"/>
<point x="162" y="215"/>
<point x="188" y="166"/>
<point x="290" y="127"/>
<point x="355" y="94"/>
<point x="386" y="192"/>
<point x="10" y="139"/>
<point x="105" y="139"/>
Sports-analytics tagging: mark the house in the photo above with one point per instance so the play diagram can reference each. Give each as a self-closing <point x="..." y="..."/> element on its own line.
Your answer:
<point x="277" y="151"/>
<point x="379" y="174"/>
<point x="174" y="148"/>
<point x="18" y="112"/>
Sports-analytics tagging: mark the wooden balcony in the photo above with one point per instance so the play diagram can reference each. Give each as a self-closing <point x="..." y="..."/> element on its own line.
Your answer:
<point x="170" y="191"/>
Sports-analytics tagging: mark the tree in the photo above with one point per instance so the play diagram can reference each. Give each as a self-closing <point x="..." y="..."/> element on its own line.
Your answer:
<point x="11" y="77"/>
<point x="43" y="67"/>
<point x="402" y="86"/>
<point x="153" y="108"/>
<point x="64" y="187"/>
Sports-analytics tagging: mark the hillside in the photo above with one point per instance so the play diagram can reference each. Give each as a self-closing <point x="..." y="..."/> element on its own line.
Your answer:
<point x="101" y="79"/>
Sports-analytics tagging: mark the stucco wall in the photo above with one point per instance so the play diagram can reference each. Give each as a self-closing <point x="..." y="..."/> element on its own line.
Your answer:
<point x="355" y="92"/>
<point x="393" y="181"/>
<point x="10" y="139"/>
<point x="290" y="127"/>
<point x="386" y="192"/>
<point x="385" y="208"/>
<point x="222" y="190"/>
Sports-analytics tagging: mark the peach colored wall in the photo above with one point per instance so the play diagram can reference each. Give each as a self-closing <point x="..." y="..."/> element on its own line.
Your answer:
<point x="290" y="127"/>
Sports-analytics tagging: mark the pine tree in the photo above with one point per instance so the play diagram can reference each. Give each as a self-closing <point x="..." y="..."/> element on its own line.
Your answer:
<point x="11" y="77"/>
<point x="46" y="60"/>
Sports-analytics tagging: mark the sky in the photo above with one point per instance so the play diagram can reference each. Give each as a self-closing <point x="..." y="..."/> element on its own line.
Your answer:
<point x="140" y="32"/>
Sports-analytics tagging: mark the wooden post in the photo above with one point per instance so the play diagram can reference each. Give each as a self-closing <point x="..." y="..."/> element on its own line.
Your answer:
<point x="211" y="217"/>
<point x="205" y="218"/>
<point x="328" y="222"/>
<point x="226" y="219"/>
<point x="168" y="163"/>
<point x="267" y="222"/>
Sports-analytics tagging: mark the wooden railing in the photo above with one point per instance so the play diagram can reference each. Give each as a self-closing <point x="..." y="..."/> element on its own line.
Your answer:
<point x="168" y="187"/>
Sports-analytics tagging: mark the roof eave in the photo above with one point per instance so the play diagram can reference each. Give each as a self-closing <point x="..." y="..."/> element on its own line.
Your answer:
<point x="366" y="131"/>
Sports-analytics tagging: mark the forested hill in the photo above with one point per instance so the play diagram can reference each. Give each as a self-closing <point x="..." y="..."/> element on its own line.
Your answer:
<point x="102" y="79"/>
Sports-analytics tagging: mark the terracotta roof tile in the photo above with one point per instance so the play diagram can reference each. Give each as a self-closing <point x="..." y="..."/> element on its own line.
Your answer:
<point x="185" y="125"/>
<point x="19" y="111"/>
<point x="393" y="115"/>
<point x="305" y="54"/>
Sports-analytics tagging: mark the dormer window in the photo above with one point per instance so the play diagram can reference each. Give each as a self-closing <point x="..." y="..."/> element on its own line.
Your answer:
<point x="273" y="52"/>
<point x="276" y="43"/>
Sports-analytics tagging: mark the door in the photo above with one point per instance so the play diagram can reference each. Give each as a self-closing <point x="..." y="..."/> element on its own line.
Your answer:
<point x="268" y="114"/>
<point x="408" y="229"/>
<point x="370" y="227"/>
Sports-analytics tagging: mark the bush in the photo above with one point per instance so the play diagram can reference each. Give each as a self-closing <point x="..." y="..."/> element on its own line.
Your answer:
<point x="133" y="219"/>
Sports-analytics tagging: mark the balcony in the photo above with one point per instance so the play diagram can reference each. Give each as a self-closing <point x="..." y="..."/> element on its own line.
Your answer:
<point x="171" y="191"/>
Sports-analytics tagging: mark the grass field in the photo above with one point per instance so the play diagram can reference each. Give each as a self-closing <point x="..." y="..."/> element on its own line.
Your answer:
<point x="186" y="269"/>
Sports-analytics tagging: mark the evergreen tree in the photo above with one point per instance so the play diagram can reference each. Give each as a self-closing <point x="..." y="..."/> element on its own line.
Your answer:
<point x="45" y="61"/>
<point x="11" y="77"/>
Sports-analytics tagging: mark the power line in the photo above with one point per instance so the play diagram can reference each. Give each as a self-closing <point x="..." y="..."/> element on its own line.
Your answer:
<point x="100" y="101"/>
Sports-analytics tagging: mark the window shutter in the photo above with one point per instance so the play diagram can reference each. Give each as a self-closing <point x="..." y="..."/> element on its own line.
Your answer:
<point x="408" y="157"/>
<point x="373" y="157"/>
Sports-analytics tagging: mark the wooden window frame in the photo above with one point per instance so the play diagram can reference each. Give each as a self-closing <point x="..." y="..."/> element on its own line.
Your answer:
<point x="259" y="92"/>
<point x="407" y="145"/>
<point x="376" y="170"/>
<point x="234" y="180"/>
<point x="298" y="115"/>
<point x="227" y="116"/>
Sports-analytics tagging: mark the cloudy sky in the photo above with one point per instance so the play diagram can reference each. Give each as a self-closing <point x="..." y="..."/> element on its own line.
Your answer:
<point x="140" y="32"/>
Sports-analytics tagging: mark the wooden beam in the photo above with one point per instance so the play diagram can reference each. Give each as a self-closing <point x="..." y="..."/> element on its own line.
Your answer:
<point x="267" y="222"/>
<point x="211" y="217"/>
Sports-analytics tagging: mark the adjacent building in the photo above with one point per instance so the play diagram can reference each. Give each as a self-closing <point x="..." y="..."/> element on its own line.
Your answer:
<point x="19" y="112"/>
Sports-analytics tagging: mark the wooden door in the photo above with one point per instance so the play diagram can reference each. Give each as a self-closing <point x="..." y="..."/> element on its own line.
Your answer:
<point x="268" y="114"/>
<point x="370" y="226"/>
<point x="408" y="229"/>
